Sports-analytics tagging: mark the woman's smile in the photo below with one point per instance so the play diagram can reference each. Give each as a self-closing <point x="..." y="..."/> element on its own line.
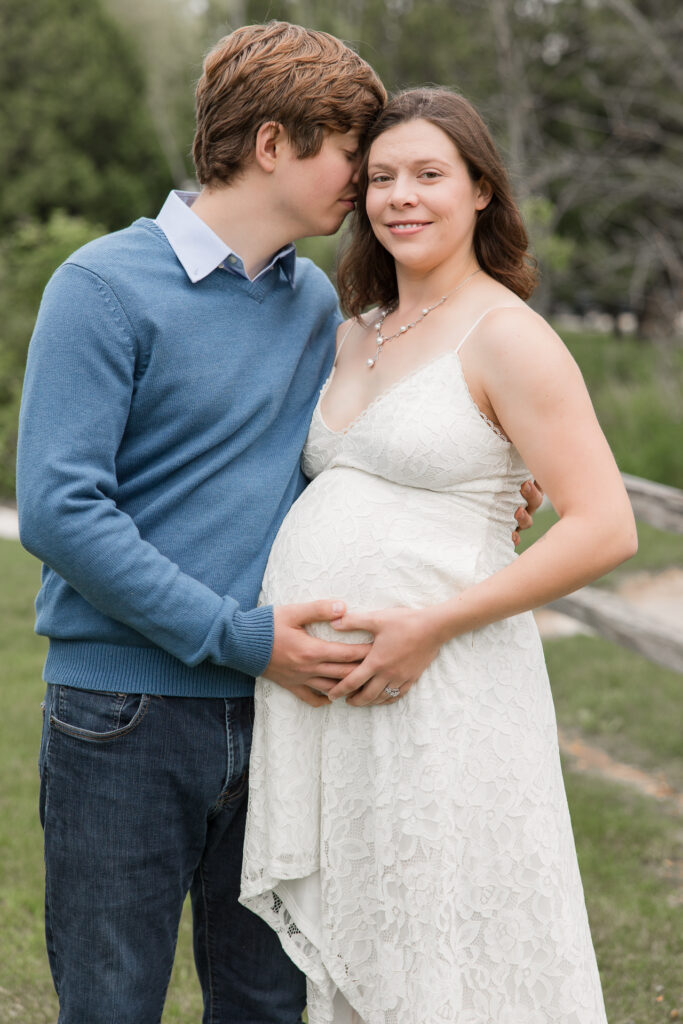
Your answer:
<point x="407" y="227"/>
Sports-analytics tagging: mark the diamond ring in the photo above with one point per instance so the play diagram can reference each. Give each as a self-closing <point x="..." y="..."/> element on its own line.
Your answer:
<point x="392" y="691"/>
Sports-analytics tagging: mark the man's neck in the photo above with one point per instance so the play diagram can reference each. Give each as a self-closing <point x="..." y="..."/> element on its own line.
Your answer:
<point x="240" y="215"/>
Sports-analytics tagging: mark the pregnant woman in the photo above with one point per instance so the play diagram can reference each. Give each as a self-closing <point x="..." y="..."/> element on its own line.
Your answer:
<point x="410" y="841"/>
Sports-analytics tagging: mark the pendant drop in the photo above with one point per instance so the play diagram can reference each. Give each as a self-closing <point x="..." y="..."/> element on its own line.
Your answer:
<point x="370" y="363"/>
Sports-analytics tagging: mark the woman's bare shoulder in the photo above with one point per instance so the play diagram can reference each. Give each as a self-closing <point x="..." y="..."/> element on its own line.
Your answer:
<point x="517" y="326"/>
<point x="360" y="323"/>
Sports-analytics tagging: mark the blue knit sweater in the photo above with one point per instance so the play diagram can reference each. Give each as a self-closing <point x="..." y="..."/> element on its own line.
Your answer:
<point x="160" y="434"/>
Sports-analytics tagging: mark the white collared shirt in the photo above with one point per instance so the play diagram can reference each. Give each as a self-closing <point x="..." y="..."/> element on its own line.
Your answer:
<point x="201" y="251"/>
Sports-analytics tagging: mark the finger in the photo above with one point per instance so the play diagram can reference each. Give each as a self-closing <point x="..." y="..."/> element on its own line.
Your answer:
<point x="329" y="651"/>
<point x="384" y="697"/>
<point x="379" y="703"/>
<point x="315" y="611"/>
<point x="516" y="538"/>
<point x="356" y="620"/>
<point x="373" y="690"/>
<point x="308" y="696"/>
<point x="334" y="671"/>
<point x="359" y="677"/>
<point x="321" y="684"/>
<point x="524" y="520"/>
<point x="532" y="492"/>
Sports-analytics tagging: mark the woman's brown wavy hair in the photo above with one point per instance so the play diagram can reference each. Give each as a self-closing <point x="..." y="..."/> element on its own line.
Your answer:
<point x="366" y="274"/>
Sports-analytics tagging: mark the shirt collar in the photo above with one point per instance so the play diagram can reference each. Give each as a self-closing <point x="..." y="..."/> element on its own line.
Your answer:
<point x="201" y="251"/>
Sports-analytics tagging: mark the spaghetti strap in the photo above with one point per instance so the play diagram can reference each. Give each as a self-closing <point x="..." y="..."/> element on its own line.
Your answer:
<point x="477" y="322"/>
<point x="336" y="357"/>
<point x="344" y="337"/>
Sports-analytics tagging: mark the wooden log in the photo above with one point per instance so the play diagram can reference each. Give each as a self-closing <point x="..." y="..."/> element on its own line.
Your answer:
<point x="620" y="622"/>
<point x="658" y="505"/>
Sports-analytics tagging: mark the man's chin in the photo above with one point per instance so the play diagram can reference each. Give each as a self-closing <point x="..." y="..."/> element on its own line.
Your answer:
<point x="339" y="220"/>
<point x="329" y="227"/>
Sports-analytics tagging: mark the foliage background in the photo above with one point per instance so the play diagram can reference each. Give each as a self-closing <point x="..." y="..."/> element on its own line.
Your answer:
<point x="583" y="96"/>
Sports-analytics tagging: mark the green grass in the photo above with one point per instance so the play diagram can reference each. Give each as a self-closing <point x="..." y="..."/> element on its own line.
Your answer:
<point x="620" y="701"/>
<point x="631" y="857"/>
<point x="637" y="391"/>
<point x="628" y="705"/>
<point x="629" y="849"/>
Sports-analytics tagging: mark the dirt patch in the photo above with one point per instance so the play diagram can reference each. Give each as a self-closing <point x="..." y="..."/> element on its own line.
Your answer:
<point x="584" y="757"/>
<point x="657" y="594"/>
<point x="660" y="594"/>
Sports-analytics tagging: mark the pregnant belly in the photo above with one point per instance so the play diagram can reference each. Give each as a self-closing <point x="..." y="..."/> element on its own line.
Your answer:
<point x="372" y="543"/>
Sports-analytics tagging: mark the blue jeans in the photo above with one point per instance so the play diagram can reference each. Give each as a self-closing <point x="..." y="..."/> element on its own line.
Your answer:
<point x="142" y="799"/>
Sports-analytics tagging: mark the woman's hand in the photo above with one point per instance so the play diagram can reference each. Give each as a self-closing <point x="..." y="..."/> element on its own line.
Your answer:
<point x="532" y="492"/>
<point x="406" y="641"/>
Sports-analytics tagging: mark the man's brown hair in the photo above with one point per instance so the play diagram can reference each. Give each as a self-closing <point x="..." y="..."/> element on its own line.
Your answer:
<point x="366" y="275"/>
<point x="305" y="80"/>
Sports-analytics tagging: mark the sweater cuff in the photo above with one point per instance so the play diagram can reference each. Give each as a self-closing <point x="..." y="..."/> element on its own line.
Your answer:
<point x="252" y="647"/>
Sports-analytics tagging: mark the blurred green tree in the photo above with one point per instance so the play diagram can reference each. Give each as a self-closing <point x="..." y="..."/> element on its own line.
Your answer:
<point x="75" y="132"/>
<point x="28" y="257"/>
<point x="168" y="39"/>
<point x="584" y="100"/>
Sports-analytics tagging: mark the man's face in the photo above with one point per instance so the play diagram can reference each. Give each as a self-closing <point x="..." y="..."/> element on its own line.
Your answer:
<point x="319" y="191"/>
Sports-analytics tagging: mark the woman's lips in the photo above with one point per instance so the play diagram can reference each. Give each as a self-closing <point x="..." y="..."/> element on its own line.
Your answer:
<point x="407" y="227"/>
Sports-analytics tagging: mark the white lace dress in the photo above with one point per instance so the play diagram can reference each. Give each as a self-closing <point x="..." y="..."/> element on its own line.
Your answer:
<point x="417" y="859"/>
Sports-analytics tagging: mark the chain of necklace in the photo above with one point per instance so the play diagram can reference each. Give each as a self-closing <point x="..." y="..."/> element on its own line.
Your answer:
<point x="381" y="340"/>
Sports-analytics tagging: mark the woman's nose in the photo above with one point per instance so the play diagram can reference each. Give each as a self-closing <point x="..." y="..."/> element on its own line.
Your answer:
<point x="403" y="194"/>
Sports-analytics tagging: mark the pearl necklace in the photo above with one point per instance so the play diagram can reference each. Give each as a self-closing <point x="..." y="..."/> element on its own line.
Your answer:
<point x="381" y="340"/>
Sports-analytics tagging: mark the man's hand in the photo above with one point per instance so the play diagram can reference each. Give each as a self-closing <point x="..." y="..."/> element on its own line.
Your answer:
<point x="533" y="493"/>
<point x="307" y="667"/>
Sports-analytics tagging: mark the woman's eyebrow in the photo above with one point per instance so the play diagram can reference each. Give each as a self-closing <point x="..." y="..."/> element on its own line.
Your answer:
<point x="416" y="162"/>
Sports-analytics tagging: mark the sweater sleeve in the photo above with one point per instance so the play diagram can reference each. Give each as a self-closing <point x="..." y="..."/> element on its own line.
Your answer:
<point x="78" y="388"/>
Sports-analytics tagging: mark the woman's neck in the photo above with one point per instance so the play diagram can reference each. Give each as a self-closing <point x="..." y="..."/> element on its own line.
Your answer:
<point x="419" y="289"/>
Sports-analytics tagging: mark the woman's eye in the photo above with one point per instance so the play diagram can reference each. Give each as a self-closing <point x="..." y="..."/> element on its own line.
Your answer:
<point x="430" y="174"/>
<point x="379" y="179"/>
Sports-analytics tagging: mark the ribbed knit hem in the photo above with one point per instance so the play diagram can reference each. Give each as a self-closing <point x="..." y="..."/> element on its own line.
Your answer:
<point x="250" y="645"/>
<point x="97" y="666"/>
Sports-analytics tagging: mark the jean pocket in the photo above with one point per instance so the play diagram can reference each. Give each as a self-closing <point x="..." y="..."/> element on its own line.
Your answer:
<point x="97" y="716"/>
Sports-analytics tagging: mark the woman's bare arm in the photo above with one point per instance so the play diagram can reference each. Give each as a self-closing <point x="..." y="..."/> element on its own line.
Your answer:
<point x="539" y="397"/>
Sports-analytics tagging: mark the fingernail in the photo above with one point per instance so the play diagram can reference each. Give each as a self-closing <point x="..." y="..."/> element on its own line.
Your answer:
<point x="338" y="606"/>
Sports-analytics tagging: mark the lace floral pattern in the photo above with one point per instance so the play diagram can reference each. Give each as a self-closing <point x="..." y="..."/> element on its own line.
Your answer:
<point x="418" y="857"/>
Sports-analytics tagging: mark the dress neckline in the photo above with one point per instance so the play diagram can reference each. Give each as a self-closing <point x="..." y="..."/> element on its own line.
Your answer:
<point x="408" y="376"/>
<point x="415" y="372"/>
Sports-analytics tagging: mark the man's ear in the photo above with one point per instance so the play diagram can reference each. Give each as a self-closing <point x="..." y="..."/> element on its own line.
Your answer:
<point x="269" y="141"/>
<point x="484" y="194"/>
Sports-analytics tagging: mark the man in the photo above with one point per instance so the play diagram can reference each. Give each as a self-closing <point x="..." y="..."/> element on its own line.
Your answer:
<point x="171" y="379"/>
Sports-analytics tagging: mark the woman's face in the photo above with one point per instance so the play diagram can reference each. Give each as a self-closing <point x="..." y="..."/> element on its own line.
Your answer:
<point x="421" y="202"/>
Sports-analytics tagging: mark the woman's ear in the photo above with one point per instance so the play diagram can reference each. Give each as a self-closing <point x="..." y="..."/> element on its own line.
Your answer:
<point x="269" y="140"/>
<point x="484" y="194"/>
